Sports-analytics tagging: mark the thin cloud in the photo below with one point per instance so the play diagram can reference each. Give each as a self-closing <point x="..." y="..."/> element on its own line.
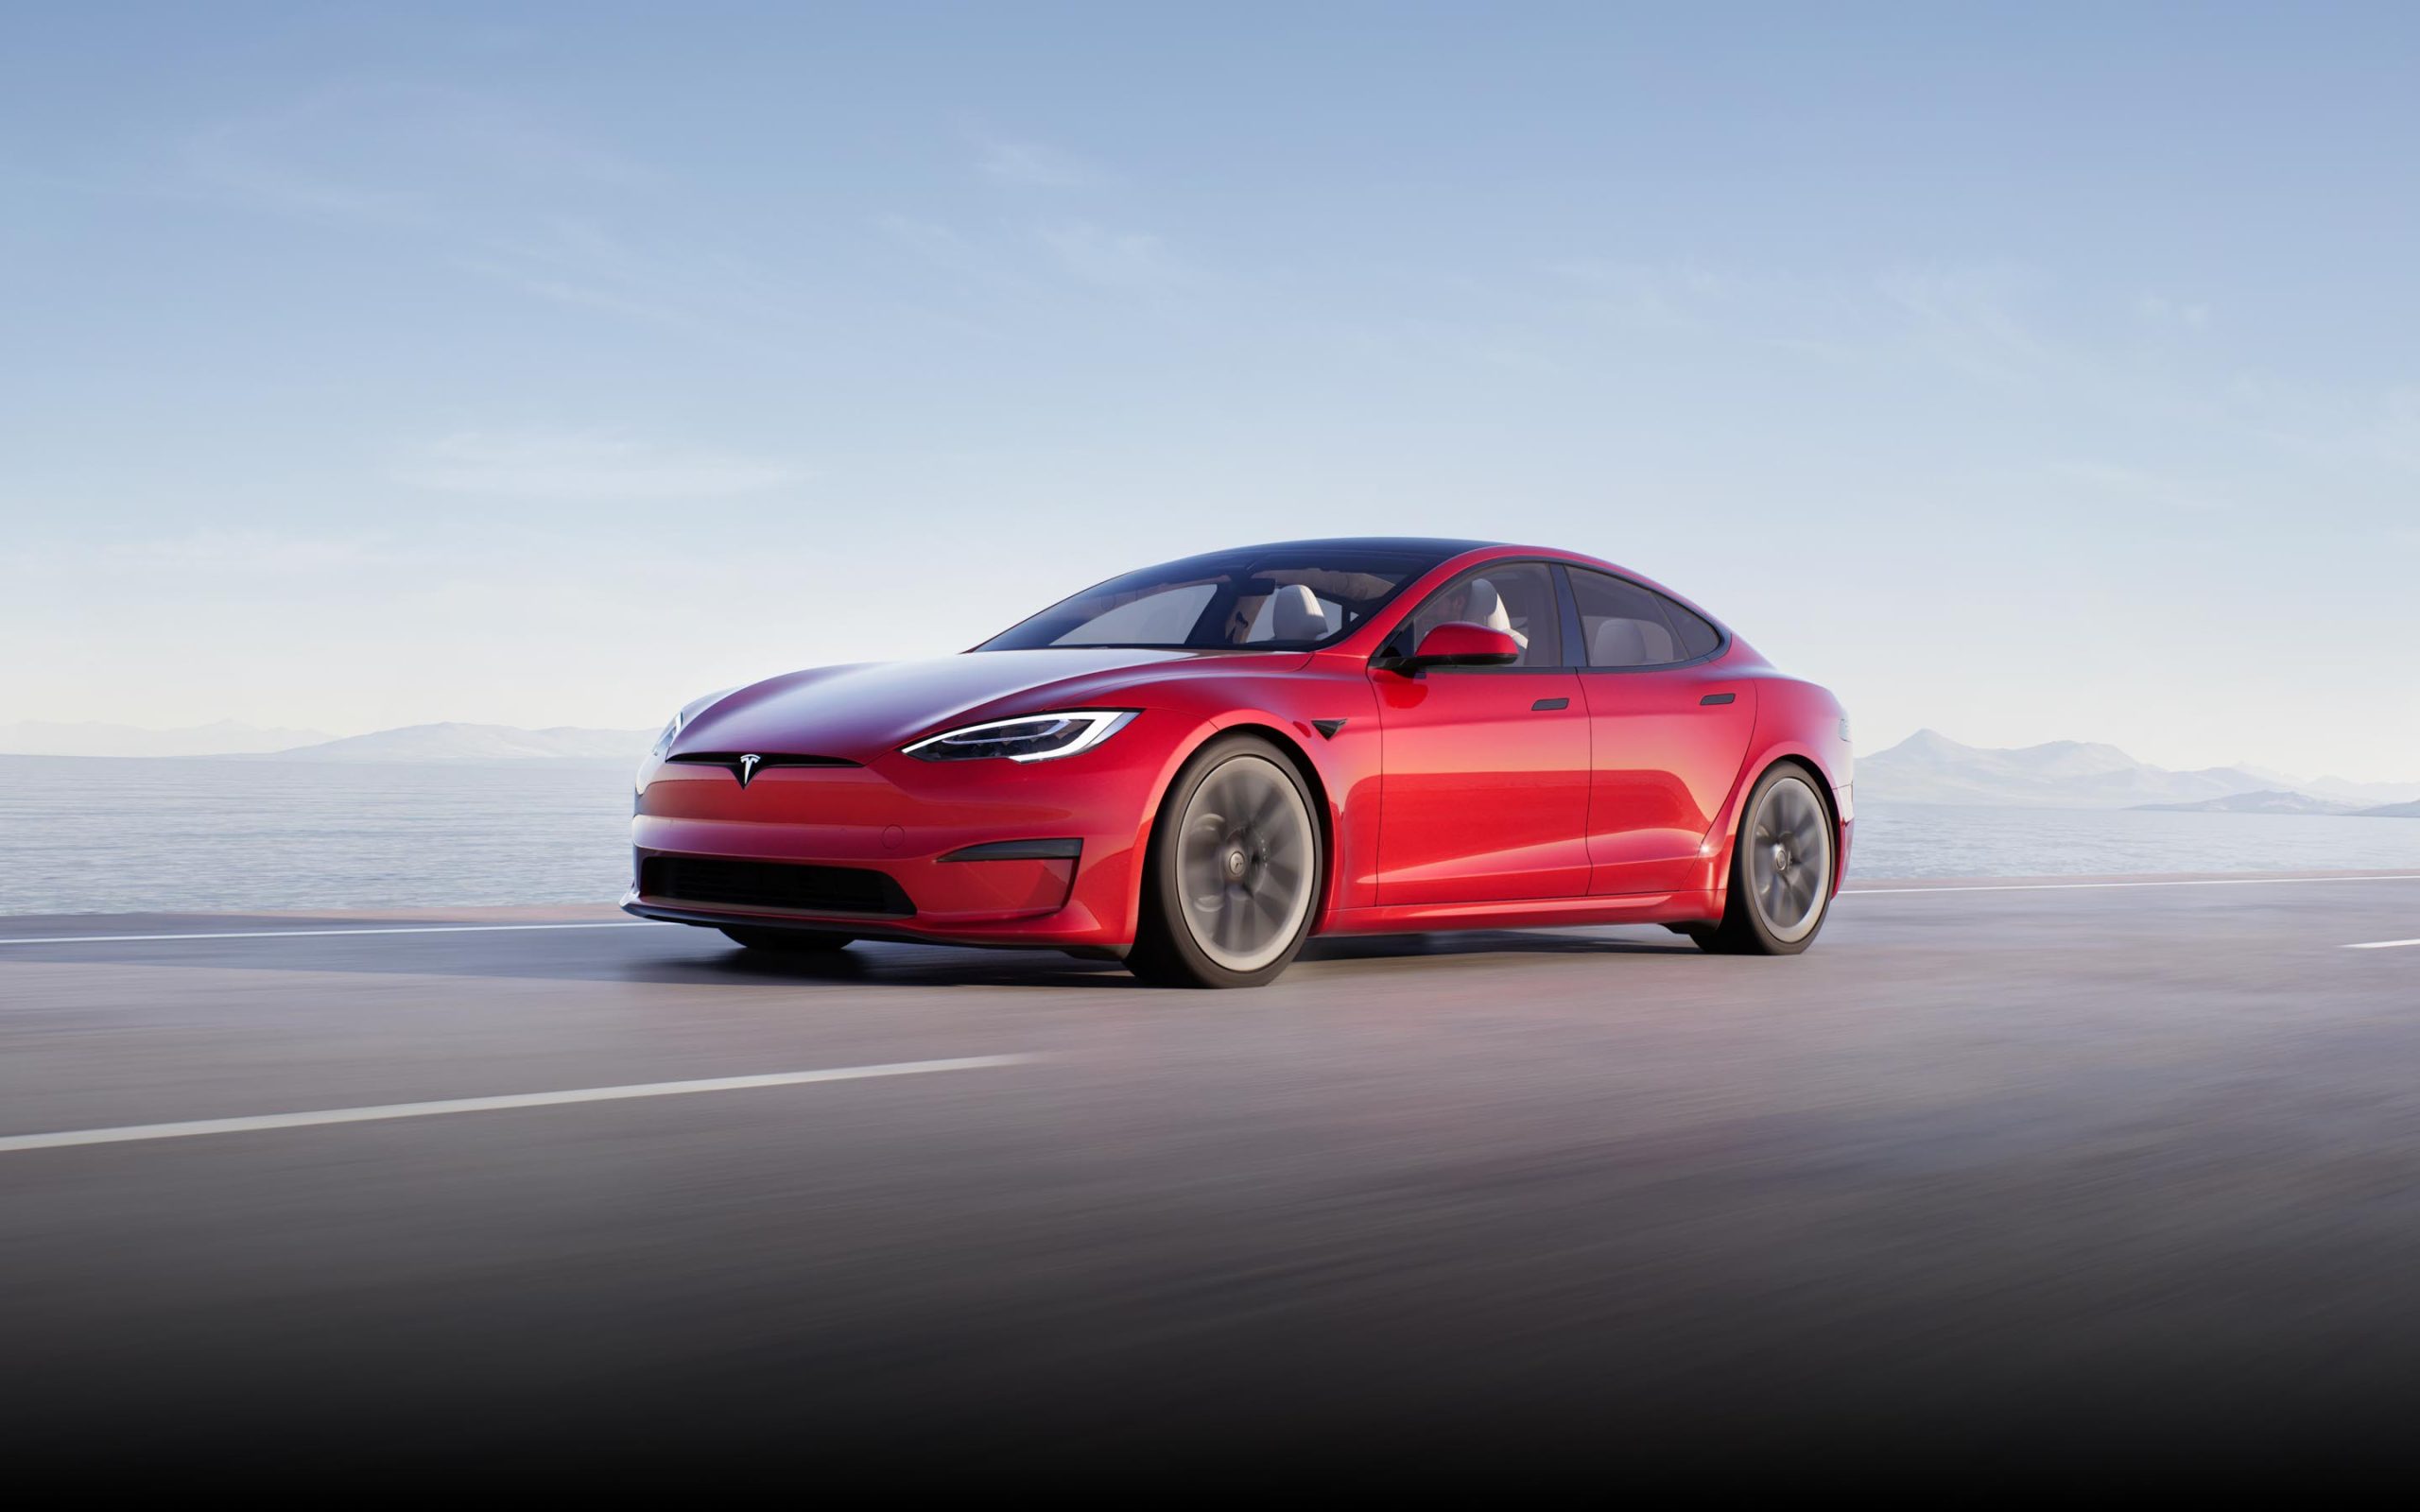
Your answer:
<point x="2134" y="487"/>
<point x="2158" y="309"/>
<point x="581" y="262"/>
<point x="394" y="154"/>
<point x="246" y="553"/>
<point x="2354" y="436"/>
<point x="2398" y="428"/>
<point x="1032" y="165"/>
<point x="488" y="187"/>
<point x="1659" y="300"/>
<point x="944" y="247"/>
<point x="1967" y="318"/>
<point x="1112" y="259"/>
<point x="587" y="467"/>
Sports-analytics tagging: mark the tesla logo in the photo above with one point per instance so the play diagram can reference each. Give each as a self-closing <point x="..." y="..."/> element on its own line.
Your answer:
<point x="746" y="768"/>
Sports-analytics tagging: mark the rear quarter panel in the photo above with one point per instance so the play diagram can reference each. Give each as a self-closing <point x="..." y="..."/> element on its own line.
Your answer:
<point x="1795" y="719"/>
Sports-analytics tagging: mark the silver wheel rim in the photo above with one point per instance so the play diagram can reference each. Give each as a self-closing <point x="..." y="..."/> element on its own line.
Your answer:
<point x="1789" y="860"/>
<point x="1244" y="860"/>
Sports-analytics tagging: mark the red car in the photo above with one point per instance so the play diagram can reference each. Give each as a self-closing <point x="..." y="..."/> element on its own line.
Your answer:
<point x="1196" y="766"/>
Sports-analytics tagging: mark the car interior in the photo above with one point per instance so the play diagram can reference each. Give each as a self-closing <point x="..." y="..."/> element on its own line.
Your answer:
<point x="1625" y="626"/>
<point x="1515" y="597"/>
<point x="1275" y="606"/>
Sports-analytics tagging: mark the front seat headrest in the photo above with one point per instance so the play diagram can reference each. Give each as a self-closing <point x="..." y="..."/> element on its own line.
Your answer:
<point x="1483" y="605"/>
<point x="1295" y="614"/>
<point x="1626" y="642"/>
<point x="1618" y="643"/>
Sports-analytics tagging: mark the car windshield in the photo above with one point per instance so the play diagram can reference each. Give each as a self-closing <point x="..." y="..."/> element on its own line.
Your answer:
<point x="1277" y="599"/>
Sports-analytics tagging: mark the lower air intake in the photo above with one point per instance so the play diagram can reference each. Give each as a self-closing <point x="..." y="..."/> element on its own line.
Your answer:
<point x="793" y="888"/>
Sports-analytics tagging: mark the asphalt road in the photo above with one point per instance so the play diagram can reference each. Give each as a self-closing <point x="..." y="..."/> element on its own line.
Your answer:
<point x="2080" y="1178"/>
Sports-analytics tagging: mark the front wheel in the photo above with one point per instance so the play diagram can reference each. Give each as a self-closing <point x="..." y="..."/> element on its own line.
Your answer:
<point x="1781" y="871"/>
<point x="1233" y="874"/>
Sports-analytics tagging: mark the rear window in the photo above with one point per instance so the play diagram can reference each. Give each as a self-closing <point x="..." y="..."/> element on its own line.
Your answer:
<point x="1622" y="624"/>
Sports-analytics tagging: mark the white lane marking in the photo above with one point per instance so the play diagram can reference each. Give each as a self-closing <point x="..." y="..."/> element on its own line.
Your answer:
<point x="2078" y="886"/>
<point x="299" y="933"/>
<point x="482" y="1105"/>
<point x="2382" y="944"/>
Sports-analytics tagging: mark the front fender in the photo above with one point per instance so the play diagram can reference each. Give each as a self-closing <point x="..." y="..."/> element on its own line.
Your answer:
<point x="1341" y="762"/>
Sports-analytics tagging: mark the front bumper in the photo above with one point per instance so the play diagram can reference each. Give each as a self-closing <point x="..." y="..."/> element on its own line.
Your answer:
<point x="909" y="821"/>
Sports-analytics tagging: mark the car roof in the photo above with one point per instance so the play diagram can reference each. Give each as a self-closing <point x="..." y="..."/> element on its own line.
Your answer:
<point x="1439" y="547"/>
<point x="1435" y="551"/>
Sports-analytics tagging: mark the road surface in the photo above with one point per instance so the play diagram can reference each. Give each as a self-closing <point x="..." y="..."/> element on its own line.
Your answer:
<point x="2065" y="1175"/>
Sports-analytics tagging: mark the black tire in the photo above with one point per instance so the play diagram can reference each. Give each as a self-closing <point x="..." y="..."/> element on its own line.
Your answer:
<point x="1746" y="928"/>
<point x="786" y="941"/>
<point x="1275" y="897"/>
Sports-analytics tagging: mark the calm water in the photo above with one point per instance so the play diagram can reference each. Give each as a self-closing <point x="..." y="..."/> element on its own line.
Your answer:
<point x="101" y="836"/>
<point x="1959" y="840"/>
<point x="105" y="836"/>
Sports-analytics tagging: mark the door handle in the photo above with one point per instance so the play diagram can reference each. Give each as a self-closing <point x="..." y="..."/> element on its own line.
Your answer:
<point x="1718" y="697"/>
<point x="1549" y="703"/>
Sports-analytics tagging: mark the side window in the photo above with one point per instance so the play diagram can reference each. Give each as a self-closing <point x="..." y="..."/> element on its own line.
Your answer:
<point x="1628" y="627"/>
<point x="1516" y="597"/>
<point x="1698" y="637"/>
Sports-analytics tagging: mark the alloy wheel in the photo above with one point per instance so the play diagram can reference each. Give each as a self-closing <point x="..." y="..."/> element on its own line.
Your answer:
<point x="1245" y="860"/>
<point x="1789" y="860"/>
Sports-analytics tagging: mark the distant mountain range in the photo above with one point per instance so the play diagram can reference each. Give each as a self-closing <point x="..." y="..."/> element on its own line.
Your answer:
<point x="412" y="743"/>
<point x="1929" y="767"/>
<point x="2267" y="801"/>
<point x="36" y="737"/>
<point x="476" y="743"/>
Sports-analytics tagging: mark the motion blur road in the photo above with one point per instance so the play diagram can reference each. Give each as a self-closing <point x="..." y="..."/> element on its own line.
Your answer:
<point x="2056" y="1175"/>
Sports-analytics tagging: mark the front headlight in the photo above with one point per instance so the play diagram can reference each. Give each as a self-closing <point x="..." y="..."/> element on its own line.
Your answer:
<point x="1030" y="738"/>
<point x="673" y="726"/>
<point x="664" y="742"/>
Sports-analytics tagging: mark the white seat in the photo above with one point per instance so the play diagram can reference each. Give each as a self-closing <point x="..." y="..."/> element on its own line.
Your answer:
<point x="1623" y="643"/>
<point x="1295" y="614"/>
<point x="1483" y="605"/>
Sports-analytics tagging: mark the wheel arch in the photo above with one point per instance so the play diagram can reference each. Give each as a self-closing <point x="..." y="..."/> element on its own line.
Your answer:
<point x="1752" y="771"/>
<point x="1325" y="816"/>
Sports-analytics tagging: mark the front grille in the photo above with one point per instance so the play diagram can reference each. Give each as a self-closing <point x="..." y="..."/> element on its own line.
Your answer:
<point x="762" y="763"/>
<point x="793" y="888"/>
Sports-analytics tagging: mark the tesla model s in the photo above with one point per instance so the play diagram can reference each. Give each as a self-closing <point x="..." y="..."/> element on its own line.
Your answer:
<point x="1196" y="766"/>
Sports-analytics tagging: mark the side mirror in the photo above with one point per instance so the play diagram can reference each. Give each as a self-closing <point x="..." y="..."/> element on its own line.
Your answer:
<point x="1459" y="644"/>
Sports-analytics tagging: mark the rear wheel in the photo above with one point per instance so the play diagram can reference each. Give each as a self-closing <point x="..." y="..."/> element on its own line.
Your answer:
<point x="786" y="941"/>
<point x="1233" y="874"/>
<point x="1781" y="871"/>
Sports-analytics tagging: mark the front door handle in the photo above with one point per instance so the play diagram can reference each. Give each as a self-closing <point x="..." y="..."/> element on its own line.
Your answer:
<point x="1549" y="703"/>
<point x="1718" y="697"/>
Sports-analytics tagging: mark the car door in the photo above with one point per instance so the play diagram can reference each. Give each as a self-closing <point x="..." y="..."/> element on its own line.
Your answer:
<point x="1485" y="774"/>
<point x="1668" y="732"/>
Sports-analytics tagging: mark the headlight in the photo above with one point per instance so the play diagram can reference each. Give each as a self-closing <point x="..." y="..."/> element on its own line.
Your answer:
<point x="1032" y="738"/>
<point x="671" y="732"/>
<point x="679" y="721"/>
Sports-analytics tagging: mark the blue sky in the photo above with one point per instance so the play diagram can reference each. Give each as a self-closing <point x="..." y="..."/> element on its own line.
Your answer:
<point x="2033" y="373"/>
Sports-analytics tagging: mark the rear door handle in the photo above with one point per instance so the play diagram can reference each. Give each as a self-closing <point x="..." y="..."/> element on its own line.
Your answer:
<point x="1718" y="697"/>
<point x="1549" y="703"/>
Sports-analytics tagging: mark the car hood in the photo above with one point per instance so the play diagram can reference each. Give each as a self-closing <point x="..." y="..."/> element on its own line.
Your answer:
<point x="860" y="712"/>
